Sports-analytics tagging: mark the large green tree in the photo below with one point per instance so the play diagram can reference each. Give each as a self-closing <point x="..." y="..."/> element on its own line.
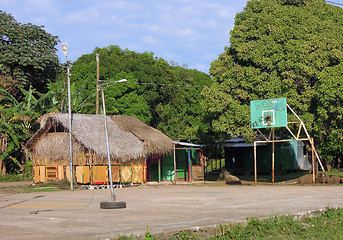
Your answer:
<point x="28" y="62"/>
<point x="27" y="55"/>
<point x="163" y="95"/>
<point x="17" y="122"/>
<point x="282" y="48"/>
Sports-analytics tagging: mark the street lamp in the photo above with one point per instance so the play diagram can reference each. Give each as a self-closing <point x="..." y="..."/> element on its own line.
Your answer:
<point x="64" y="47"/>
<point x="106" y="204"/>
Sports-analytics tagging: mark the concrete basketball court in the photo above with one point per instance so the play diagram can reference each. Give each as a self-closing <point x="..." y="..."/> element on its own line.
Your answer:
<point x="160" y="208"/>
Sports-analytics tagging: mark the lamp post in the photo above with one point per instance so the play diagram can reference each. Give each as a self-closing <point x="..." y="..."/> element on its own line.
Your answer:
<point x="65" y="52"/>
<point x="97" y="84"/>
<point x="112" y="204"/>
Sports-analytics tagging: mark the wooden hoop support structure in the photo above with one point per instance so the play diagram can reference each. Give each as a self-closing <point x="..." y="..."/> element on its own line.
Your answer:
<point x="296" y="138"/>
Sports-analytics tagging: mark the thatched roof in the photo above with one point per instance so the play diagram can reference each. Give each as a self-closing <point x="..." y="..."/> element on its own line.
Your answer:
<point x="154" y="140"/>
<point x="49" y="149"/>
<point x="129" y="138"/>
<point x="89" y="132"/>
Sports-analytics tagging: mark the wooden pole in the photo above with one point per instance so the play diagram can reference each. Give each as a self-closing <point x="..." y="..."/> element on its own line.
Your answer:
<point x="273" y="156"/>
<point x="97" y="84"/>
<point x="175" y="173"/>
<point x="202" y="165"/>
<point x="321" y="165"/>
<point x="313" y="162"/>
<point x="145" y="169"/>
<point x="189" y="166"/>
<point x="159" y="170"/>
<point x="255" y="164"/>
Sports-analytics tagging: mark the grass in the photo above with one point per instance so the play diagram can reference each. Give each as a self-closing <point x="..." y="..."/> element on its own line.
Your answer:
<point x="335" y="173"/>
<point x="328" y="225"/>
<point x="41" y="187"/>
<point x="47" y="187"/>
<point x="15" y="177"/>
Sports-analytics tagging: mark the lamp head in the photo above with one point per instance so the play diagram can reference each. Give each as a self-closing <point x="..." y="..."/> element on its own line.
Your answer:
<point x="64" y="47"/>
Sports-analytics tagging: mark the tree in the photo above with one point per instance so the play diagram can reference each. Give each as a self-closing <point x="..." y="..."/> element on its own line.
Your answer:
<point x="27" y="55"/>
<point x="17" y="122"/>
<point x="28" y="62"/>
<point x="282" y="48"/>
<point x="155" y="92"/>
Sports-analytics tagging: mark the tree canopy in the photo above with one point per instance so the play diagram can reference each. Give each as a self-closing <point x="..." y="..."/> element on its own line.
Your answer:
<point x="28" y="62"/>
<point x="163" y="95"/>
<point x="27" y="55"/>
<point x="282" y="48"/>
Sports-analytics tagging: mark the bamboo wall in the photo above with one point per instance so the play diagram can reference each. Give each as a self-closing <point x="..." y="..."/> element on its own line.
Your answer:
<point x="86" y="174"/>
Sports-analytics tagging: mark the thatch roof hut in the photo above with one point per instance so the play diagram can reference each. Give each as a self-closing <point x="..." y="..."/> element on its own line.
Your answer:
<point x="50" y="144"/>
<point x="155" y="142"/>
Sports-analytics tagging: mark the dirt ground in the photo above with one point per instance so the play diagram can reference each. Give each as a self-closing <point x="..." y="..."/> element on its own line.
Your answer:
<point x="161" y="209"/>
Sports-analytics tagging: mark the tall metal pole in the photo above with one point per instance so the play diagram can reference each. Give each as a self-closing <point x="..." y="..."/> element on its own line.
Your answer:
<point x="97" y="84"/>
<point x="65" y="52"/>
<point x="107" y="145"/>
<point x="70" y="128"/>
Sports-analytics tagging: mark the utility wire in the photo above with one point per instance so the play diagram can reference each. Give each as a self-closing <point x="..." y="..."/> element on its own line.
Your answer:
<point x="158" y="84"/>
<point x="168" y="84"/>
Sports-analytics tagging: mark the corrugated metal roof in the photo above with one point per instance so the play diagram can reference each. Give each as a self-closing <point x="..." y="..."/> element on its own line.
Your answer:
<point x="184" y="144"/>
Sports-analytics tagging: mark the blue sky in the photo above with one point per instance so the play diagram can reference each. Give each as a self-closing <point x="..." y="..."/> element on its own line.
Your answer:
<point x="191" y="32"/>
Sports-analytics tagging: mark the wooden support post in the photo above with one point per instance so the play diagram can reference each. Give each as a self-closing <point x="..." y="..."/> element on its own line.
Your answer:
<point x="189" y="166"/>
<point x="313" y="163"/>
<point x="202" y="165"/>
<point x="321" y="165"/>
<point x="273" y="157"/>
<point x="145" y="171"/>
<point x="255" y="164"/>
<point x="175" y="169"/>
<point x="159" y="170"/>
<point x="97" y="84"/>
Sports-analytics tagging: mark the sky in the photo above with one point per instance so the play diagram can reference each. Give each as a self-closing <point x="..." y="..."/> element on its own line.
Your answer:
<point x="190" y="33"/>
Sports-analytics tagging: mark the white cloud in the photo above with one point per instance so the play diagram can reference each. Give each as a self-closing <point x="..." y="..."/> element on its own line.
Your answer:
<point x="154" y="28"/>
<point x="118" y="5"/>
<point x="150" y="40"/>
<point x="184" y="31"/>
<point x="201" y="67"/>
<point x="83" y="16"/>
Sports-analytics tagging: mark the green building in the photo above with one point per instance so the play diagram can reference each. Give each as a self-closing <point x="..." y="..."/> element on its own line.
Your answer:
<point x="185" y="163"/>
<point x="239" y="156"/>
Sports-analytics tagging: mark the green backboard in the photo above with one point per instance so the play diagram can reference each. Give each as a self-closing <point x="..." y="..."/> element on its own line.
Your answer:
<point x="269" y="113"/>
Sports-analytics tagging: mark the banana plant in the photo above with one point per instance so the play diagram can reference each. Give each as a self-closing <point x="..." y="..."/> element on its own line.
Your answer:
<point x="17" y="118"/>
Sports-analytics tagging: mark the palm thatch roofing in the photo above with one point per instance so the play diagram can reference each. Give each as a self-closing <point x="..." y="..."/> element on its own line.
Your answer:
<point x="154" y="141"/>
<point x="129" y="138"/>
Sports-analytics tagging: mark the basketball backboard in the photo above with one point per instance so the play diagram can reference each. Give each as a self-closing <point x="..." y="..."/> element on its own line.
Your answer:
<point x="268" y="113"/>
